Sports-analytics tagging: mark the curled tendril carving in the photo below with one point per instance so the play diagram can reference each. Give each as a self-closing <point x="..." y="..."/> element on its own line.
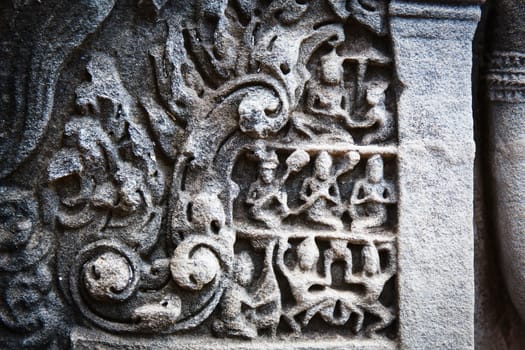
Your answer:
<point x="30" y="306"/>
<point x="222" y="196"/>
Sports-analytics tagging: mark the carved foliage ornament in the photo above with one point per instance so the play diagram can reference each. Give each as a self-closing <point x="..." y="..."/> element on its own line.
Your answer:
<point x="250" y="190"/>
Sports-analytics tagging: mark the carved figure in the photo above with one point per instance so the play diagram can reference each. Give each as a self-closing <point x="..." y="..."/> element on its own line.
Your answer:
<point x="339" y="251"/>
<point x="320" y="192"/>
<point x="329" y="97"/>
<point x="250" y="303"/>
<point x="232" y="320"/>
<point x="268" y="201"/>
<point x="371" y="195"/>
<point x="301" y="278"/>
<point x="316" y="294"/>
<point x="266" y="197"/>
<point x="377" y="114"/>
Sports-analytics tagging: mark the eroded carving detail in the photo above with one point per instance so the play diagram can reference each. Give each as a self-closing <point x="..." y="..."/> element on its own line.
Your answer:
<point x="333" y="242"/>
<point x="30" y="306"/>
<point x="275" y="122"/>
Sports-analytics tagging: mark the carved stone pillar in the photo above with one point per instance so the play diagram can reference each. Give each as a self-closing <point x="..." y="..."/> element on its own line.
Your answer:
<point x="505" y="78"/>
<point x="237" y="174"/>
<point x="432" y="46"/>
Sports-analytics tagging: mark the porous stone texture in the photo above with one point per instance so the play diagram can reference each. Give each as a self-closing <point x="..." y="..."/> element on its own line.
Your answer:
<point x="436" y="284"/>
<point x="237" y="174"/>
<point x="506" y="82"/>
<point x="500" y="206"/>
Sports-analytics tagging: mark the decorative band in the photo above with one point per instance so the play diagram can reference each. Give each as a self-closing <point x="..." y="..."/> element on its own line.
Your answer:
<point x="505" y="77"/>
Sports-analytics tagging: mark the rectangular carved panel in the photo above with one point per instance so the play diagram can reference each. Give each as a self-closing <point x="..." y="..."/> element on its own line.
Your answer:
<point x="224" y="174"/>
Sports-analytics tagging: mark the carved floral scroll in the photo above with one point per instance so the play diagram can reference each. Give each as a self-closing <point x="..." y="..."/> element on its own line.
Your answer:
<point x="251" y="192"/>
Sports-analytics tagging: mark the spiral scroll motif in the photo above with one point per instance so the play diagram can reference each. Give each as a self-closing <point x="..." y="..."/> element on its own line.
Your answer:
<point x="105" y="271"/>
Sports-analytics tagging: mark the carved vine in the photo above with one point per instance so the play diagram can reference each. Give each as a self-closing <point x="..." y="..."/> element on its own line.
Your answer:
<point x="253" y="192"/>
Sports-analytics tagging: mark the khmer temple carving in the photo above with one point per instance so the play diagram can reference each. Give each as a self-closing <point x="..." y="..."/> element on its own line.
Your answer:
<point x="231" y="170"/>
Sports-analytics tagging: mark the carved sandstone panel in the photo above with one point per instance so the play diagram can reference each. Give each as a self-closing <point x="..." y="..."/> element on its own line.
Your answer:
<point x="220" y="169"/>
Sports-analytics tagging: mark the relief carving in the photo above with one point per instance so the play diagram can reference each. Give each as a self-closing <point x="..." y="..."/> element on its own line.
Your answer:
<point x="30" y="305"/>
<point x="250" y="193"/>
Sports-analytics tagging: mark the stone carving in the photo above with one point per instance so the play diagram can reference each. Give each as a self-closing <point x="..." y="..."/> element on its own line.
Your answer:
<point x="505" y="79"/>
<point x="30" y="306"/>
<point x="269" y="204"/>
<point x="370" y="196"/>
<point x="228" y="106"/>
<point x="329" y="97"/>
<point x="66" y="27"/>
<point x="308" y="256"/>
<point x="322" y="294"/>
<point x="500" y="270"/>
<point x="249" y="191"/>
<point x="175" y="171"/>
<point x="106" y="177"/>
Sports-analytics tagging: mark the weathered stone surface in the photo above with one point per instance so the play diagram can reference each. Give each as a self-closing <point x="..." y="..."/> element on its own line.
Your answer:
<point x="502" y="133"/>
<point x="436" y="155"/>
<point x="237" y="174"/>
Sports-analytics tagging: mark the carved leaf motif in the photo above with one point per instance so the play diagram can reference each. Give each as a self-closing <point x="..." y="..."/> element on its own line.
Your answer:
<point x="112" y="160"/>
<point x="265" y="112"/>
<point x="65" y="27"/>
